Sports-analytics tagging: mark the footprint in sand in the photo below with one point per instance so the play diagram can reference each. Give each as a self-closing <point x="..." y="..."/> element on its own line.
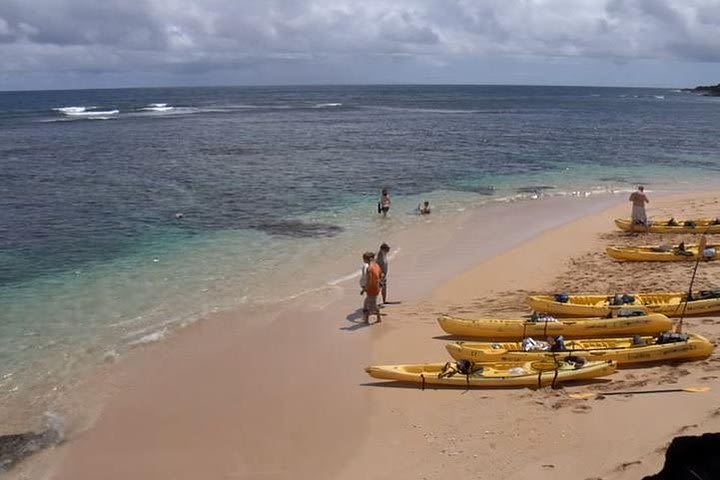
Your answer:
<point x="662" y="449"/>
<point x="624" y="466"/>
<point x="685" y="428"/>
<point x="562" y="403"/>
<point x="582" y="409"/>
<point x="638" y="383"/>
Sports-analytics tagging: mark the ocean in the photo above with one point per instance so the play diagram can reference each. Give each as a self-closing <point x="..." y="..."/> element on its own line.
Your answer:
<point x="129" y="212"/>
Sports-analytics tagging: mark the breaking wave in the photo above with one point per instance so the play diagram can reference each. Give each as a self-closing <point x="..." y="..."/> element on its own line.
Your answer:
<point x="158" y="107"/>
<point x="327" y="105"/>
<point x="85" y="111"/>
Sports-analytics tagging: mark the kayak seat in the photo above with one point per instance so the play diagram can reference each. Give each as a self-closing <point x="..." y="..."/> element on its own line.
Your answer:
<point x="672" y="337"/>
<point x="706" y="294"/>
<point x="562" y="297"/>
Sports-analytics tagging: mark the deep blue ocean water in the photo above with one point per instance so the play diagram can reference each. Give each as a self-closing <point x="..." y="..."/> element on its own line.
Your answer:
<point x="92" y="253"/>
<point x="83" y="187"/>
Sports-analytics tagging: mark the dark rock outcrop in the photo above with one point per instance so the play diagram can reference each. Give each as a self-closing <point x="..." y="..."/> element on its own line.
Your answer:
<point x="298" y="229"/>
<point x="691" y="458"/>
<point x="14" y="448"/>
<point x="709" y="90"/>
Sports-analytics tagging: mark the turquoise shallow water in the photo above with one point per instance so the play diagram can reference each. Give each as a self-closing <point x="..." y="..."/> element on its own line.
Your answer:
<point x="273" y="184"/>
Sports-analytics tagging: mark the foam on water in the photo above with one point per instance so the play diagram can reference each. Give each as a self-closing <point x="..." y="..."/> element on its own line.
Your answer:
<point x="85" y="111"/>
<point x="158" y="107"/>
<point x="327" y="105"/>
<point x="394" y="252"/>
<point x="70" y="110"/>
<point x="153" y="337"/>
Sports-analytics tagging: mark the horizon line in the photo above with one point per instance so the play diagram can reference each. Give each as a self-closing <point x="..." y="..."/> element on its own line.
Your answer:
<point x="315" y="85"/>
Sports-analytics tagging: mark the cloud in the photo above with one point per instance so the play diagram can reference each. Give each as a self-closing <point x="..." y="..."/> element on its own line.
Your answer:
<point x="87" y="36"/>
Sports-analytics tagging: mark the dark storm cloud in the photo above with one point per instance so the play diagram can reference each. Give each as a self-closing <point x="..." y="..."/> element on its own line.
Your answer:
<point x="202" y="35"/>
<point x="83" y="22"/>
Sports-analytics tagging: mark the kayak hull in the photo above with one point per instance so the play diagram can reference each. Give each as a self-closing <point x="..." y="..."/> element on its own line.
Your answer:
<point x="620" y="350"/>
<point x="570" y="328"/>
<point x="702" y="225"/>
<point x="493" y="375"/>
<point x="671" y="304"/>
<point x="652" y="254"/>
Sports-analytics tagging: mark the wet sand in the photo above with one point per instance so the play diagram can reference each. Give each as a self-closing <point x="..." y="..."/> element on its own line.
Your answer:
<point x="280" y="392"/>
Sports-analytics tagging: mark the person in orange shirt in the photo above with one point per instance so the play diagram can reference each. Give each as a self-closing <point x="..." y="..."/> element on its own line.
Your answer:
<point x="370" y="286"/>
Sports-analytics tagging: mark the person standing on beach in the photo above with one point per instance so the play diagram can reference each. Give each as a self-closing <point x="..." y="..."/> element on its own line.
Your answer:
<point x="639" y="199"/>
<point x="382" y="260"/>
<point x="384" y="203"/>
<point x="370" y="286"/>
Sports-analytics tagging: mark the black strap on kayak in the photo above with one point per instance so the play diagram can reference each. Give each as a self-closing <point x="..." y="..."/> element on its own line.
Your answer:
<point x="545" y="331"/>
<point x="557" y="366"/>
<point x="447" y="371"/>
<point x="422" y="384"/>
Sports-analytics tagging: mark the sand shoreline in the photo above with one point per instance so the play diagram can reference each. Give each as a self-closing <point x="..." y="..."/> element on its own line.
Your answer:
<point x="544" y="434"/>
<point x="258" y="418"/>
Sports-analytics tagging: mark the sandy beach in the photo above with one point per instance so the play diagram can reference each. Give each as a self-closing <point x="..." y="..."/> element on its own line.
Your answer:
<point x="280" y="392"/>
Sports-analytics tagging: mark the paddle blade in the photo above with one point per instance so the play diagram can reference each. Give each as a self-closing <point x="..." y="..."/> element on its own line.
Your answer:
<point x="696" y="389"/>
<point x="700" y="389"/>
<point x="581" y="395"/>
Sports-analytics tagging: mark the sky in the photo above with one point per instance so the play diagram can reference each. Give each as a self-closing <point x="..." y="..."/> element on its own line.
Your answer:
<point x="54" y="44"/>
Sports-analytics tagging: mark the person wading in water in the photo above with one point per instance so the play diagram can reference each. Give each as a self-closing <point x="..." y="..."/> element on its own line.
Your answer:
<point x="384" y="203"/>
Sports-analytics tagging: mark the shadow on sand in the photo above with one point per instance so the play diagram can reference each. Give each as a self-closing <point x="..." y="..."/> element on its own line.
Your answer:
<point x="417" y="386"/>
<point x="356" y="318"/>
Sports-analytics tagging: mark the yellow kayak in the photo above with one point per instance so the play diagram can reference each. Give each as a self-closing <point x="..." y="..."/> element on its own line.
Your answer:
<point x="699" y="225"/>
<point x="670" y="304"/>
<point x="571" y="328"/>
<point x="675" y="253"/>
<point x="624" y="351"/>
<point x="492" y="375"/>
